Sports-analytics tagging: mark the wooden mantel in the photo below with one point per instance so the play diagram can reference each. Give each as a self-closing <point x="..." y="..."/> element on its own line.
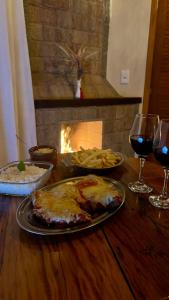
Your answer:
<point x="49" y="103"/>
<point x="49" y="92"/>
<point x="52" y="103"/>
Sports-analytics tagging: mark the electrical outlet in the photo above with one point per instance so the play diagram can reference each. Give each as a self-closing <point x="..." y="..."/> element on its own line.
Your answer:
<point x="124" y="77"/>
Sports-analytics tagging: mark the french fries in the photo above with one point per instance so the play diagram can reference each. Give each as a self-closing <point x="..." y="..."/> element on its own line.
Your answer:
<point x="95" y="158"/>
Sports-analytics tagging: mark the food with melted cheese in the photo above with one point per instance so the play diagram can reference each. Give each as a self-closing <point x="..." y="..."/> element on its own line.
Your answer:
<point x="61" y="210"/>
<point x="97" y="193"/>
<point x="75" y="201"/>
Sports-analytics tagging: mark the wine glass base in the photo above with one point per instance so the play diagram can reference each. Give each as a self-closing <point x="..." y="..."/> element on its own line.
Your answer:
<point x="159" y="201"/>
<point x="138" y="187"/>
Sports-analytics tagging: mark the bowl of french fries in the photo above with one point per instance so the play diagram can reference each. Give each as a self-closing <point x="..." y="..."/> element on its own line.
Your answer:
<point x="95" y="160"/>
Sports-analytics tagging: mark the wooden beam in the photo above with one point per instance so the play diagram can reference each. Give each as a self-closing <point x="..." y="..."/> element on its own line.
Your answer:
<point x="150" y="53"/>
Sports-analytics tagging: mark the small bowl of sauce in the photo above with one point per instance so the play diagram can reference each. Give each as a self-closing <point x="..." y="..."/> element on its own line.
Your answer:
<point x="43" y="153"/>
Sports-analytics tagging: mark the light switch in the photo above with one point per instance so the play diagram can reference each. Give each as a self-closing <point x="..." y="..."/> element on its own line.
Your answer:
<point x="124" y="77"/>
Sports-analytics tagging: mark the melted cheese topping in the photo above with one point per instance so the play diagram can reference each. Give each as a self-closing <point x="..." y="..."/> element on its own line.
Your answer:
<point x="102" y="194"/>
<point x="96" y="190"/>
<point x="61" y="204"/>
<point x="58" y="209"/>
<point x="66" y="189"/>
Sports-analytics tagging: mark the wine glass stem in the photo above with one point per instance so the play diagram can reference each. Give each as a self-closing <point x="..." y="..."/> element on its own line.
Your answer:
<point x="142" y="162"/>
<point x="164" y="190"/>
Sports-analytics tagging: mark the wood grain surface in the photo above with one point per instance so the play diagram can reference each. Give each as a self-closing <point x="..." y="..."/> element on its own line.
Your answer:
<point x="126" y="257"/>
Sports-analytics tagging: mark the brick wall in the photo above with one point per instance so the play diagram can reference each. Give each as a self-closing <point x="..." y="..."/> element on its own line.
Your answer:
<point x="66" y="22"/>
<point x="117" y="121"/>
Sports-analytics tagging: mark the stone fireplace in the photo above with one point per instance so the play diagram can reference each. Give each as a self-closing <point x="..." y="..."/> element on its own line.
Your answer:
<point x="114" y="123"/>
<point x="75" y="23"/>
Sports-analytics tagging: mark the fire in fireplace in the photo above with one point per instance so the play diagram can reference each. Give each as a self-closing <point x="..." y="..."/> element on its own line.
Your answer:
<point x="77" y="134"/>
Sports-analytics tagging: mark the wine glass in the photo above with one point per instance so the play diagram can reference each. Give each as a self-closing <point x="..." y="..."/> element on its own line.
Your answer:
<point x="161" y="153"/>
<point x="141" y="139"/>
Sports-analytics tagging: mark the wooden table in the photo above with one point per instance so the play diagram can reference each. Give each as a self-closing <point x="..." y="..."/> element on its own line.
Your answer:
<point x="127" y="257"/>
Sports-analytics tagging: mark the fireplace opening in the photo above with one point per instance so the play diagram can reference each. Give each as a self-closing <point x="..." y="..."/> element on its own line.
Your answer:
<point x="75" y="135"/>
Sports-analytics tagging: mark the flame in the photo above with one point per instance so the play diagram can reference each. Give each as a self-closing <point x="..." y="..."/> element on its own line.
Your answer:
<point x="65" y="140"/>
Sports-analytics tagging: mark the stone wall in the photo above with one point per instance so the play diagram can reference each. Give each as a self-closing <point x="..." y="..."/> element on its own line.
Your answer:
<point x="117" y="122"/>
<point x="74" y="23"/>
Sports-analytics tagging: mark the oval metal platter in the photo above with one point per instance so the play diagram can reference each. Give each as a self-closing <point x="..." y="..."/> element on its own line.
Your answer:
<point x="27" y="221"/>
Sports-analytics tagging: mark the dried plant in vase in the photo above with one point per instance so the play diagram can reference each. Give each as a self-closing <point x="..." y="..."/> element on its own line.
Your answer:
<point x="76" y="59"/>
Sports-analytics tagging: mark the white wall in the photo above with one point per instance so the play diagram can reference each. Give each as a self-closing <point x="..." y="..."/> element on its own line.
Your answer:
<point x="128" y="41"/>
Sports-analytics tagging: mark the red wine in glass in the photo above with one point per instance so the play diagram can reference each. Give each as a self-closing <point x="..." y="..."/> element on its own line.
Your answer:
<point x="161" y="153"/>
<point x="141" y="140"/>
<point x="142" y="145"/>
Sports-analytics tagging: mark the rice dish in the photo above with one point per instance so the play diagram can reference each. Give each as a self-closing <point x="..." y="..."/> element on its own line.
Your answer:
<point x="12" y="174"/>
